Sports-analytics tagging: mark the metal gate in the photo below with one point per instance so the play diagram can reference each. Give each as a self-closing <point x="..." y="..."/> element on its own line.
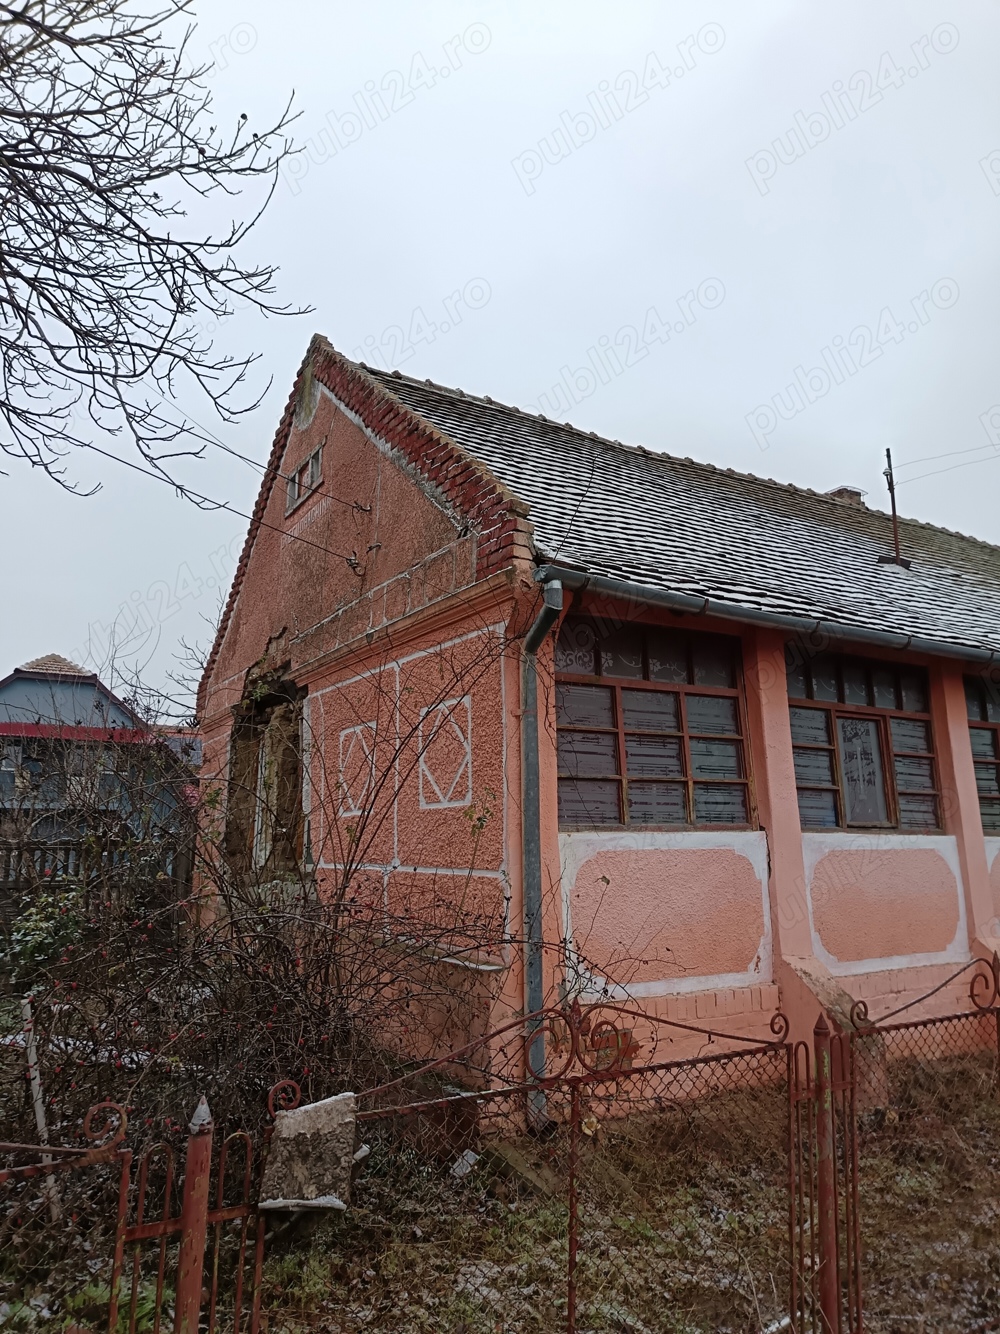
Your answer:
<point x="824" y="1227"/>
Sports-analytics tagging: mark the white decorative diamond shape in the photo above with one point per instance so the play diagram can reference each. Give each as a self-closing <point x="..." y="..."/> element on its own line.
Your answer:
<point x="356" y="775"/>
<point x="446" y="754"/>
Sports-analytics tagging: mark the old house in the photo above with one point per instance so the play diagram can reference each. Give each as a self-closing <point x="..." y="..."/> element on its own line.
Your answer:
<point x="81" y="776"/>
<point x="621" y="723"/>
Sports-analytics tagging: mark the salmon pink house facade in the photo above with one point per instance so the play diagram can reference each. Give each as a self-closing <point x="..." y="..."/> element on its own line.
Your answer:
<point x="621" y="725"/>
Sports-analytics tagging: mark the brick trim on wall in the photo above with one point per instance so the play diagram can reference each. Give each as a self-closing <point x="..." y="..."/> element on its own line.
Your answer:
<point x="456" y="478"/>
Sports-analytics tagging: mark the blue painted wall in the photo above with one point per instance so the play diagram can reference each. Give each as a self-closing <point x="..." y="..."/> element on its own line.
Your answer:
<point x="26" y="700"/>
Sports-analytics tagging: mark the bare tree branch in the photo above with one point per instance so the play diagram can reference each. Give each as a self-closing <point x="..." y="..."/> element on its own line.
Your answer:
<point x="106" y="140"/>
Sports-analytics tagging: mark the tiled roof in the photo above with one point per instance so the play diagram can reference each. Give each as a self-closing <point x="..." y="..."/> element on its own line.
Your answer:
<point x="667" y="523"/>
<point x="680" y="525"/>
<point x="54" y="664"/>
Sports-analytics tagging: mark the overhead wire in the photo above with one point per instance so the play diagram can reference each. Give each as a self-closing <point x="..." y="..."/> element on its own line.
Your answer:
<point x="937" y="472"/>
<point x="949" y="454"/>
<point x="189" y="493"/>
<point x="209" y="439"/>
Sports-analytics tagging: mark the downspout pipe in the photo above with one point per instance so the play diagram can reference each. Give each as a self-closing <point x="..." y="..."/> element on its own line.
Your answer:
<point x="531" y="833"/>
<point x="628" y="591"/>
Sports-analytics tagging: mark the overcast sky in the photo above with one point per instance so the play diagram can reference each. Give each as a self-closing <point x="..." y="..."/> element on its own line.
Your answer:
<point x="772" y="225"/>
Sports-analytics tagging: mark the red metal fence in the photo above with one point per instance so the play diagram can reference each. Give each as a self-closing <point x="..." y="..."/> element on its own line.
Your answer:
<point x="157" y="1236"/>
<point x="592" y="1187"/>
<point x="848" y="1186"/>
<point x="187" y="1243"/>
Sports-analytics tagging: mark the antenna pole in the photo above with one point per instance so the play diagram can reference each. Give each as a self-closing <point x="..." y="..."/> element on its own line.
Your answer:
<point x="891" y="482"/>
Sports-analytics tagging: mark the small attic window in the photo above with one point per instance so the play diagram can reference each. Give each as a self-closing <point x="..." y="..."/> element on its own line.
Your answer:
<point x="304" y="480"/>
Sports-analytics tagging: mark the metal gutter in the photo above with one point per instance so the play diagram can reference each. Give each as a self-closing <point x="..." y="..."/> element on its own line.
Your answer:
<point x="732" y="611"/>
<point x="531" y="836"/>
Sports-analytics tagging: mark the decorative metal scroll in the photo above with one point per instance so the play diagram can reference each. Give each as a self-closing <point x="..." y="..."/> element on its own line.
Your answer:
<point x="984" y="989"/>
<point x="591" y="1042"/>
<point x="984" y="993"/>
<point x="285" y="1096"/>
<point x="104" y="1134"/>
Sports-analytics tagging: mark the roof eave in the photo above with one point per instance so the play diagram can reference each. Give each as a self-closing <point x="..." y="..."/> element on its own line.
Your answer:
<point x="629" y="591"/>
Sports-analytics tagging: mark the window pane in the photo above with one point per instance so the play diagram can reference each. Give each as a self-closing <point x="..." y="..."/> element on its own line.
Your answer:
<point x="814" y="766"/>
<point x="992" y="701"/>
<point x="586" y="803"/>
<point x="861" y="765"/>
<point x="584" y="706"/>
<point x="654" y="756"/>
<point x="668" y="656"/>
<point x="984" y="745"/>
<point x="824" y="679"/>
<point x="974" y="700"/>
<point x="918" y="812"/>
<point x="986" y="780"/>
<point x="656" y="803"/>
<point x="621" y="654"/>
<point x="910" y="735"/>
<point x="720" y="803"/>
<point x="817" y="810"/>
<point x="914" y="775"/>
<point x="588" y="754"/>
<point x="811" y="726"/>
<point x="715" y="759"/>
<point x="855" y="677"/>
<point x="714" y="714"/>
<point x="714" y="662"/>
<point x="914" y="689"/>
<point x="884" y="685"/>
<point x="991" y="815"/>
<point x="650" y="711"/>
<point x="795" y="675"/>
<point x="576" y="649"/>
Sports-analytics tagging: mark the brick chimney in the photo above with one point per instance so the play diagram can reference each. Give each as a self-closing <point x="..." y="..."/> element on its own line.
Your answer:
<point x="850" y="495"/>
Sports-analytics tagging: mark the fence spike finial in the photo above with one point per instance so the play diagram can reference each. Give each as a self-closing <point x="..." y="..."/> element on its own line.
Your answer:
<point x="201" y="1121"/>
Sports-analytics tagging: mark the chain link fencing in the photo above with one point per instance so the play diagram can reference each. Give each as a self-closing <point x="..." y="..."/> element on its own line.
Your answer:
<point x="928" y="1110"/>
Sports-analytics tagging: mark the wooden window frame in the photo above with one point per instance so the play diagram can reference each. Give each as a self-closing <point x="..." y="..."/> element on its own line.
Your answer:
<point x="984" y="724"/>
<point x="616" y="684"/>
<point x="888" y="754"/>
<point x="304" y="480"/>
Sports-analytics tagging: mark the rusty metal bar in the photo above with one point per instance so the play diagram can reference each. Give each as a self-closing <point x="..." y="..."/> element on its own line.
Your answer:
<point x="161" y="1267"/>
<point x="800" y="1192"/>
<point x="855" y="1312"/>
<point x="124" y="1182"/>
<point x="845" y="1117"/>
<point x="273" y="1103"/>
<point x="135" y="1235"/>
<point x="72" y="1152"/>
<point x="244" y="1229"/>
<point x="573" y="1200"/>
<point x="826" y="1184"/>
<point x="794" y="1185"/>
<point x="194" y="1221"/>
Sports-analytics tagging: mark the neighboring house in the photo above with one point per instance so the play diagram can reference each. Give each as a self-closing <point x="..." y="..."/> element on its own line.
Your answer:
<point x="637" y="726"/>
<point x="81" y="775"/>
